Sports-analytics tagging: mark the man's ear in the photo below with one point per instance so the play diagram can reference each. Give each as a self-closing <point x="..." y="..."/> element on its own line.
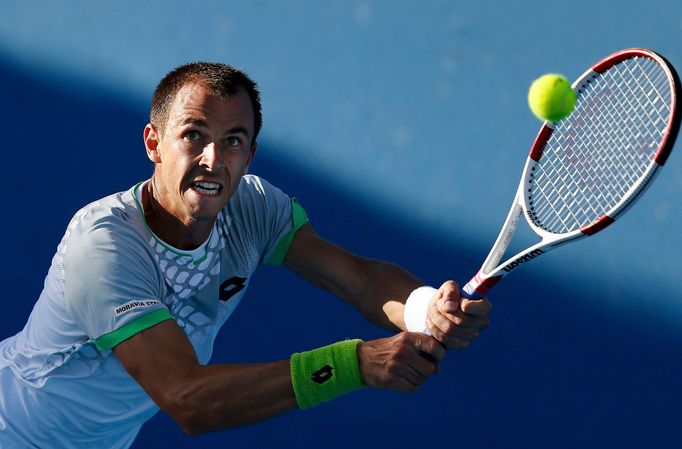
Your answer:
<point x="151" y="143"/>
<point x="252" y="154"/>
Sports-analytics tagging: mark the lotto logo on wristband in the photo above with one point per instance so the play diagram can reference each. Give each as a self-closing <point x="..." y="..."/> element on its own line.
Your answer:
<point x="323" y="374"/>
<point x="313" y="387"/>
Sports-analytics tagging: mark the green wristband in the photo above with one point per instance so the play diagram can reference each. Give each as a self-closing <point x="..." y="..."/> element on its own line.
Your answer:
<point x="323" y="374"/>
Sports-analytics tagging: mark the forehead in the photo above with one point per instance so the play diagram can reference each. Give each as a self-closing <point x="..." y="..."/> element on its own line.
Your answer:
<point x="197" y="101"/>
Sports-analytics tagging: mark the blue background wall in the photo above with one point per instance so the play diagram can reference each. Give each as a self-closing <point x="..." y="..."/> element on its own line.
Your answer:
<point x="402" y="127"/>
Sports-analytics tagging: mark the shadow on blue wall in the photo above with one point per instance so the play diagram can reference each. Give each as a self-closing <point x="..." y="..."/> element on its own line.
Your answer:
<point x="550" y="372"/>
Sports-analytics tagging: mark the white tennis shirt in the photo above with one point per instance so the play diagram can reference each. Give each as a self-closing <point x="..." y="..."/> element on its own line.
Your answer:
<point x="111" y="277"/>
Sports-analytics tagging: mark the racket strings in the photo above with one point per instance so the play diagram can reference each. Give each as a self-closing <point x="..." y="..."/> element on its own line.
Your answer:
<point x="604" y="148"/>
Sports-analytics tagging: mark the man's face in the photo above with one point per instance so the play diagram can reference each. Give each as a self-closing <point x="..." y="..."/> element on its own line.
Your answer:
<point x="203" y="152"/>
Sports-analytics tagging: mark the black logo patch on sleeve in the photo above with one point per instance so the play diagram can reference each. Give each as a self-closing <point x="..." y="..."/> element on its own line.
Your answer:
<point x="323" y="374"/>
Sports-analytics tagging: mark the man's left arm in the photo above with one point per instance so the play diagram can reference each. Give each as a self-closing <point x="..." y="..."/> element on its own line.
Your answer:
<point x="379" y="289"/>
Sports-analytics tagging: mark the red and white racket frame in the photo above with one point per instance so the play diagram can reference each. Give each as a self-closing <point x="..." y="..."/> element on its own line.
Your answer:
<point x="491" y="272"/>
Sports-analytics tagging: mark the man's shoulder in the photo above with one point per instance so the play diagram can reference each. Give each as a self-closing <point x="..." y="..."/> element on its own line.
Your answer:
<point x="253" y="187"/>
<point x="255" y="183"/>
<point x="115" y="215"/>
<point x="119" y="204"/>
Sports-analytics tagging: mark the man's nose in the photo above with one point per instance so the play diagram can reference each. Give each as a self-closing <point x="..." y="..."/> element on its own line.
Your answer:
<point x="211" y="157"/>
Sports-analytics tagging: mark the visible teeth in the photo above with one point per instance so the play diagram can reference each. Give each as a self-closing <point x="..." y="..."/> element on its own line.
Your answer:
<point x="206" y="187"/>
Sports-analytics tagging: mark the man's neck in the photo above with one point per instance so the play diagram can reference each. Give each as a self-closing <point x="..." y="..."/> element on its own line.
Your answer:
<point x="170" y="229"/>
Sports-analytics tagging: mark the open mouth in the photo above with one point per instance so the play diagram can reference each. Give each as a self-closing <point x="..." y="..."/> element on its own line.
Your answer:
<point x="207" y="188"/>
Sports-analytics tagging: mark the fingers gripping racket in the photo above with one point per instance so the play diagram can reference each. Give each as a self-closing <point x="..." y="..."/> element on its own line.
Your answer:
<point x="586" y="170"/>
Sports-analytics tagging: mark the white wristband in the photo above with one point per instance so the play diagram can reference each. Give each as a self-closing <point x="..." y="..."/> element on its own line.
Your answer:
<point x="416" y="309"/>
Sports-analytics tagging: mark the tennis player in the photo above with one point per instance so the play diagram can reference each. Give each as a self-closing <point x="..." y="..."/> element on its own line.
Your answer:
<point x="143" y="280"/>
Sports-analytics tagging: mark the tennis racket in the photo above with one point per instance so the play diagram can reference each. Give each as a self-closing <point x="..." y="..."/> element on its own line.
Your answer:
<point x="586" y="170"/>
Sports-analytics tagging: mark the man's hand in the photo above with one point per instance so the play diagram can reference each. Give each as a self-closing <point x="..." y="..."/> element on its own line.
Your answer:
<point x="454" y="321"/>
<point x="402" y="362"/>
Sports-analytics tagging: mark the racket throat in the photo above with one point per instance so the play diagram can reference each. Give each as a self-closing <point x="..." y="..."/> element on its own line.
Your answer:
<point x="504" y="238"/>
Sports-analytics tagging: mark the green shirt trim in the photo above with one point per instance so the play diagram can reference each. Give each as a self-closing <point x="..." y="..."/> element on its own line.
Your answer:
<point x="108" y="341"/>
<point x="299" y="218"/>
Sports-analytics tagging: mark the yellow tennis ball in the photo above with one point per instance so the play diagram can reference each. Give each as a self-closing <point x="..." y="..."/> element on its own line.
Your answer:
<point x="551" y="97"/>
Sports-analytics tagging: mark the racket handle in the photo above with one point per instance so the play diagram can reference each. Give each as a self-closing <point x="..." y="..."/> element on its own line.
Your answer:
<point x="468" y="292"/>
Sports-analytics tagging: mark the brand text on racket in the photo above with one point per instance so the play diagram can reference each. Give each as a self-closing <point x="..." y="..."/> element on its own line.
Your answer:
<point x="515" y="263"/>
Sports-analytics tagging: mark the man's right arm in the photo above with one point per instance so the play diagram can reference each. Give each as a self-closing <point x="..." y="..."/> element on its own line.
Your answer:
<point x="199" y="397"/>
<point x="204" y="398"/>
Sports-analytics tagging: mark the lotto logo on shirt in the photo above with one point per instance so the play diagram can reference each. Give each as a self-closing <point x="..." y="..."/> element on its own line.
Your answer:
<point x="136" y="304"/>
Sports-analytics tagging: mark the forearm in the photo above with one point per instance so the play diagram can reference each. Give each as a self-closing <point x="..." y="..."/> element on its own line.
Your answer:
<point x="222" y="396"/>
<point x="203" y="398"/>
<point x="378" y="289"/>
<point x="382" y="297"/>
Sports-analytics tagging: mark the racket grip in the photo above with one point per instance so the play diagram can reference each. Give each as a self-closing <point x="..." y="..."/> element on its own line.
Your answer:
<point x="469" y="292"/>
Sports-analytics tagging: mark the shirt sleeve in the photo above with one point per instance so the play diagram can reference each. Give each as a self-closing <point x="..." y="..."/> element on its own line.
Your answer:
<point x="112" y="285"/>
<point x="271" y="216"/>
<point x="279" y="251"/>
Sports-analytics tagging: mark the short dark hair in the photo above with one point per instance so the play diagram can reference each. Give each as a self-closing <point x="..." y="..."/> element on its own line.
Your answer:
<point x="222" y="79"/>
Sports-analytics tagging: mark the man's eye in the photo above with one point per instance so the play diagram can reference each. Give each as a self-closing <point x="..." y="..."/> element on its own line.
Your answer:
<point x="233" y="142"/>
<point x="192" y="135"/>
